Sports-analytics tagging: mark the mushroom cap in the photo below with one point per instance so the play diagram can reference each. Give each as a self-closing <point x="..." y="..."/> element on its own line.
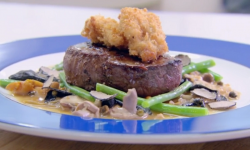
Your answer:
<point x="220" y="105"/>
<point x="101" y="96"/>
<point x="204" y="93"/>
<point x="185" y="59"/>
<point x="71" y="101"/>
<point x="48" y="82"/>
<point x="49" y="72"/>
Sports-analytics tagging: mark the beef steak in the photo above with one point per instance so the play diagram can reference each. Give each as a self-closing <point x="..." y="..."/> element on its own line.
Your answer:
<point x="86" y="64"/>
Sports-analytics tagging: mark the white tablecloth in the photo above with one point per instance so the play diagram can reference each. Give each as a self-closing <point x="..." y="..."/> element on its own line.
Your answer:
<point x="22" y="21"/>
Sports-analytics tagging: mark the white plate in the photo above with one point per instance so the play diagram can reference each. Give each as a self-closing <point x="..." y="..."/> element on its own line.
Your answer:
<point x="227" y="125"/>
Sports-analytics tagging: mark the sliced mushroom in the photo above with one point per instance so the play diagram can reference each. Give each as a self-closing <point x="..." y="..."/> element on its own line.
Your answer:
<point x="184" y="59"/>
<point x="48" y="82"/>
<point x="88" y="106"/>
<point x="130" y="101"/>
<point x="220" y="105"/>
<point x="70" y="102"/>
<point x="204" y="93"/>
<point x="101" y="96"/>
<point x="49" y="72"/>
<point x="105" y="99"/>
<point x="83" y="113"/>
<point x="129" y="108"/>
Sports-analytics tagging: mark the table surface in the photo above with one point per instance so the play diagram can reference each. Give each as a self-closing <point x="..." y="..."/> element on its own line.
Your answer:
<point x="23" y="21"/>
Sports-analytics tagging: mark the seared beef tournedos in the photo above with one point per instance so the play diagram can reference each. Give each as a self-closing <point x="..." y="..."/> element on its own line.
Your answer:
<point x="86" y="64"/>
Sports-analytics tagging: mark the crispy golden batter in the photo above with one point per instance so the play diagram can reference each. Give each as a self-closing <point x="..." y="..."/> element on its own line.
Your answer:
<point x="143" y="32"/>
<point x="103" y="30"/>
<point x="138" y="30"/>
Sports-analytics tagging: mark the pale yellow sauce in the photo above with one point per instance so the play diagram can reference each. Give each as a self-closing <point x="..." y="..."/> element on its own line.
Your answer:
<point x="34" y="101"/>
<point x="54" y="106"/>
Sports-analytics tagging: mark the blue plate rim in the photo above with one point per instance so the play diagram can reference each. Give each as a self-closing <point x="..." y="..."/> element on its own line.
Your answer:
<point x="173" y="126"/>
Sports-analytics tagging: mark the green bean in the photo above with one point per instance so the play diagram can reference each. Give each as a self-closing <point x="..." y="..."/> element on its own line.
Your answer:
<point x="58" y="67"/>
<point x="180" y="110"/>
<point x="216" y="76"/>
<point x="74" y="89"/>
<point x="161" y="107"/>
<point x="167" y="96"/>
<point x="197" y="66"/>
<point x="5" y="82"/>
<point x="61" y="85"/>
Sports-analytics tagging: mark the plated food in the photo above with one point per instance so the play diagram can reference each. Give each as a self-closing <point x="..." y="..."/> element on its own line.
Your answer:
<point x="103" y="73"/>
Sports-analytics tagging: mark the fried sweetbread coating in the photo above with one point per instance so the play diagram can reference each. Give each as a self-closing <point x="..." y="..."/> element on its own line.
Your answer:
<point x="138" y="30"/>
<point x="103" y="30"/>
<point x="143" y="31"/>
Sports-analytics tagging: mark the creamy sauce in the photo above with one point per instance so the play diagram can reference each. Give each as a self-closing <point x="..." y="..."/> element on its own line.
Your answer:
<point x="54" y="106"/>
<point x="34" y="101"/>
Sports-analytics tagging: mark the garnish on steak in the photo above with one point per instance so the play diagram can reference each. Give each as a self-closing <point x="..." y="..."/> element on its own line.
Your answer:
<point x="125" y="54"/>
<point x="138" y="30"/>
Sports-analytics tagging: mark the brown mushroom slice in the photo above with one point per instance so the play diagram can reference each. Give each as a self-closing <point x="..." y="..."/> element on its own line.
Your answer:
<point x="130" y="101"/>
<point x="101" y="96"/>
<point x="85" y="114"/>
<point x="184" y="59"/>
<point x="48" y="71"/>
<point x="220" y="105"/>
<point x="204" y="93"/>
<point x="91" y="107"/>
<point x="70" y="102"/>
<point x="48" y="82"/>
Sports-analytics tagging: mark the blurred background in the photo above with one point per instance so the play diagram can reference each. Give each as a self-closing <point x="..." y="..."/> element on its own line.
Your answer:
<point x="210" y="6"/>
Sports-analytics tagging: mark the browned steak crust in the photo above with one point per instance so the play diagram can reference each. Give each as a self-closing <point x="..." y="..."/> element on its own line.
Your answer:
<point x="86" y="64"/>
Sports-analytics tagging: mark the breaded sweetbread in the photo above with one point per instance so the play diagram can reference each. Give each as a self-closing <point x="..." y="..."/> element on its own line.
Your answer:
<point x="138" y="30"/>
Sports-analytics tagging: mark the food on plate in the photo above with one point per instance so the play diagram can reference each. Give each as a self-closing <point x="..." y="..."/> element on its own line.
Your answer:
<point x="86" y="64"/>
<point x="138" y="30"/>
<point x="194" y="97"/>
<point x="124" y="73"/>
